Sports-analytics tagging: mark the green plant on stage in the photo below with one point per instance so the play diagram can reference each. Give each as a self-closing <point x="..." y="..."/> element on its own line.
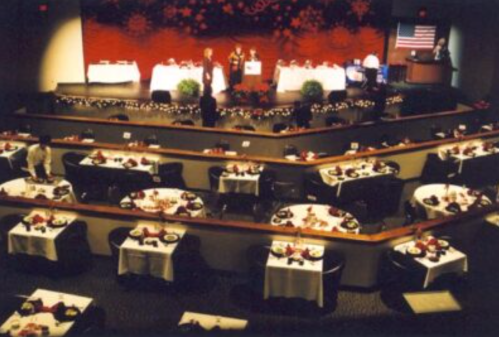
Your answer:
<point x="312" y="91"/>
<point x="189" y="88"/>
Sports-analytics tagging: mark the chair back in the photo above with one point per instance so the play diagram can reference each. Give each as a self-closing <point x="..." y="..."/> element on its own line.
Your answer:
<point x="171" y="175"/>
<point x="214" y="174"/>
<point x="115" y="239"/>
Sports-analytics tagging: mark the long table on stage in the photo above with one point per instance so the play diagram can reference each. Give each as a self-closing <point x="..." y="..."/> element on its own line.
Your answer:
<point x="292" y="78"/>
<point x="427" y="71"/>
<point x="167" y="77"/>
<point x="121" y="72"/>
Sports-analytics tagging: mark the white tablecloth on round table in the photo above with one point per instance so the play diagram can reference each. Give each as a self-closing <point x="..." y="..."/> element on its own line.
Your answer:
<point x="34" y="242"/>
<point x="147" y="259"/>
<point x="365" y="169"/>
<point x="453" y="261"/>
<point x="322" y="213"/>
<point x="113" y="73"/>
<point x="149" y="204"/>
<point x="292" y="78"/>
<point x="439" y="190"/>
<point x="292" y="280"/>
<point x="167" y="77"/>
<point x="19" y="188"/>
<point x="49" y="299"/>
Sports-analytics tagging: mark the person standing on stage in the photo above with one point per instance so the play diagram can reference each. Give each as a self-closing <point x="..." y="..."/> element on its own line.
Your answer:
<point x="208" y="106"/>
<point x="441" y="51"/>
<point x="371" y="66"/>
<point x="236" y="63"/>
<point x="40" y="159"/>
<point x="208" y="67"/>
<point x="253" y="55"/>
<point x="302" y="114"/>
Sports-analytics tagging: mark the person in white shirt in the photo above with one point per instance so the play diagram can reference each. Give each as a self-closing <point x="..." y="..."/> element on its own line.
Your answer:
<point x="371" y="66"/>
<point x="40" y="159"/>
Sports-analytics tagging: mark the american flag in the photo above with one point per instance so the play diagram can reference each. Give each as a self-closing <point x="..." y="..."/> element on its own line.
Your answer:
<point x="413" y="36"/>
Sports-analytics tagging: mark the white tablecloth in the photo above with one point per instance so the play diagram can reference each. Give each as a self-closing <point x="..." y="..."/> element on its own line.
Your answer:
<point x="167" y="200"/>
<point x="439" y="190"/>
<point x="35" y="242"/>
<point x="300" y="212"/>
<point x="292" y="78"/>
<point x="478" y="151"/>
<point x="147" y="259"/>
<point x="16" y="148"/>
<point x="49" y="298"/>
<point x="20" y="188"/>
<point x="208" y="322"/>
<point x="113" y="73"/>
<point x="452" y="262"/>
<point x="167" y="77"/>
<point x="116" y="159"/>
<point x="364" y="168"/>
<point x="246" y="184"/>
<point x="292" y="280"/>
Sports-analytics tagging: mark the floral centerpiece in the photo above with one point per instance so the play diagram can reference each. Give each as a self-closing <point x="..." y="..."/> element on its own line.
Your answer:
<point x="312" y="91"/>
<point x="189" y="88"/>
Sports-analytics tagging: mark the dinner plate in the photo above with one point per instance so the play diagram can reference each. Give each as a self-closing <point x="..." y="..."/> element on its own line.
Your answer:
<point x="316" y="254"/>
<point x="170" y="238"/>
<point x="431" y="202"/>
<point x="353" y="175"/>
<point x="444" y="244"/>
<point x="126" y="205"/>
<point x="453" y="208"/>
<point x="97" y="161"/>
<point x="278" y="251"/>
<point x="334" y="173"/>
<point x="58" y="223"/>
<point x="194" y="206"/>
<point x="188" y="196"/>
<point x="284" y="214"/>
<point x="415" y="251"/>
<point x="349" y="225"/>
<point x="135" y="233"/>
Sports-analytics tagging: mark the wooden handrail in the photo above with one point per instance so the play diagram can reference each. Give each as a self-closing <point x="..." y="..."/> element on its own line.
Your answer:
<point x="266" y="160"/>
<point x="116" y="212"/>
<point x="263" y="134"/>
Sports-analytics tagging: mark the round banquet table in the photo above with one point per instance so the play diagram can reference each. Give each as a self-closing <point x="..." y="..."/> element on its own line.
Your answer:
<point x="457" y="193"/>
<point x="329" y="222"/>
<point x="164" y="200"/>
<point x="20" y="188"/>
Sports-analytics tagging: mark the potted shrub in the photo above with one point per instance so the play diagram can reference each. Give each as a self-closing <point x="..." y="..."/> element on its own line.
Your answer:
<point x="312" y="91"/>
<point x="189" y="89"/>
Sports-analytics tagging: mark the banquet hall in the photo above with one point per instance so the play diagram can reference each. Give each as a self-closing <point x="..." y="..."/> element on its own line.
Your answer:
<point x="249" y="167"/>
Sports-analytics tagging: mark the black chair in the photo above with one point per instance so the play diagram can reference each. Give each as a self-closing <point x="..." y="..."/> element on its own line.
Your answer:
<point x="214" y="174"/>
<point x="437" y="170"/>
<point x="385" y="199"/>
<point x="244" y="127"/>
<point x="191" y="272"/>
<point x="334" y="264"/>
<point x="283" y="191"/>
<point x="279" y="127"/>
<point x="115" y="239"/>
<point x="91" y="323"/>
<point x="290" y="150"/>
<point x="171" y="176"/>
<point x="256" y="257"/>
<point x="223" y="144"/>
<point x="410" y="213"/>
<point x="184" y="122"/>
<point x="316" y="190"/>
<point x="6" y="224"/>
<point x="394" y="165"/>
<point x="73" y="250"/>
<point x="335" y="121"/>
<point x="161" y="96"/>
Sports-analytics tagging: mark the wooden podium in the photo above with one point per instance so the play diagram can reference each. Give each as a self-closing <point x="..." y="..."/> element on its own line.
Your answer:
<point x="427" y="71"/>
<point x="252" y="73"/>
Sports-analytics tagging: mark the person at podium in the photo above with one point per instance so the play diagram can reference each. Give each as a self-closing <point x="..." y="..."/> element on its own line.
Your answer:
<point x="441" y="51"/>
<point x="253" y="55"/>
<point x="236" y="63"/>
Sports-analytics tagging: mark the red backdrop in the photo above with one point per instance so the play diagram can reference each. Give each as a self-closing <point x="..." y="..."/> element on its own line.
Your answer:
<point x="107" y="42"/>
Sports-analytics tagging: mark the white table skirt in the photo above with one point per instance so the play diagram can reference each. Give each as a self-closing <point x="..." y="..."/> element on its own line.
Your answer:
<point x="294" y="281"/>
<point x="453" y="261"/>
<point x="146" y="259"/>
<point x="19" y="188"/>
<point x="49" y="298"/>
<point x="153" y="196"/>
<point x="366" y="172"/>
<point x="322" y="213"/>
<point x="9" y="155"/>
<point x="292" y="78"/>
<point x="247" y="184"/>
<point x="113" y="73"/>
<point x="439" y="190"/>
<point x="461" y="157"/>
<point x="208" y="322"/>
<point x="167" y="77"/>
<point x="35" y="242"/>
<point x="124" y="157"/>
